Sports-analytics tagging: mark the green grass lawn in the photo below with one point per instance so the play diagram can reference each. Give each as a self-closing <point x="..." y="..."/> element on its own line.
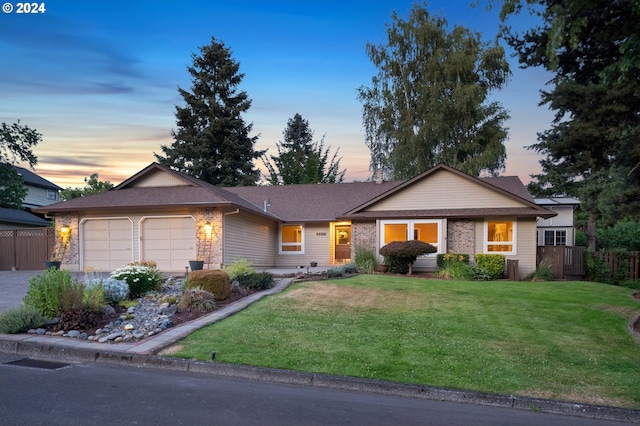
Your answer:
<point x="559" y="340"/>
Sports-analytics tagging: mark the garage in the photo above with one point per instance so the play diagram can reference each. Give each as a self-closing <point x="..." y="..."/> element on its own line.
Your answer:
<point x="169" y="241"/>
<point x="107" y="243"/>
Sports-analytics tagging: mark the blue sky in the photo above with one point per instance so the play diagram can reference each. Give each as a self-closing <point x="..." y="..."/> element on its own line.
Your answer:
<point x="98" y="79"/>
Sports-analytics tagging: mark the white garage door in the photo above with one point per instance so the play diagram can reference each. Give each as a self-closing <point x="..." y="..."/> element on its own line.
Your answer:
<point x="170" y="241"/>
<point x="107" y="243"/>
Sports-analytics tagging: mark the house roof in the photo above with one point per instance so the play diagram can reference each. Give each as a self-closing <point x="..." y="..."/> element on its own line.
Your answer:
<point x="510" y="186"/>
<point x="290" y="203"/>
<point x="557" y="201"/>
<point x="21" y="217"/>
<point x="32" y="179"/>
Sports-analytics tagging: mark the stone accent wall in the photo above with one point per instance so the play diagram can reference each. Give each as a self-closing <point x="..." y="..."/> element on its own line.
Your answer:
<point x="461" y="237"/>
<point x="209" y="247"/>
<point x="363" y="234"/>
<point x="71" y="258"/>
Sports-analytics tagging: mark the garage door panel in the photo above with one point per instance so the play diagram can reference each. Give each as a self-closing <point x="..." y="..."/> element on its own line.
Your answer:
<point x="107" y="243"/>
<point x="170" y="242"/>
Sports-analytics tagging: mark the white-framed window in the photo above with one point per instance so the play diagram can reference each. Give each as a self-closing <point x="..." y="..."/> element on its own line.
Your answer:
<point x="500" y="236"/>
<point x="555" y="237"/>
<point x="429" y="231"/>
<point x="52" y="195"/>
<point x="291" y="239"/>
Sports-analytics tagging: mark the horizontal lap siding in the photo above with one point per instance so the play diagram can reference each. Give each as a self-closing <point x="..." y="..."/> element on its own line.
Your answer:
<point x="445" y="190"/>
<point x="317" y="239"/>
<point x="250" y="237"/>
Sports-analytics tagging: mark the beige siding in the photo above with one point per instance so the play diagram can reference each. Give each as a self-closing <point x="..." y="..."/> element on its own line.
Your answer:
<point x="160" y="179"/>
<point x="525" y="244"/>
<point x="564" y="218"/>
<point x="317" y="240"/>
<point x="444" y="190"/>
<point x="250" y="237"/>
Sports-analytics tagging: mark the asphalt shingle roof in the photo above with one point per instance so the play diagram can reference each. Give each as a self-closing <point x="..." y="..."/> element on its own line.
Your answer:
<point x="21" y="217"/>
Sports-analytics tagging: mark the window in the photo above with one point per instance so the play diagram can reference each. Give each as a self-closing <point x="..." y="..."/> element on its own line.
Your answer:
<point x="52" y="195"/>
<point x="291" y="239"/>
<point x="428" y="231"/>
<point x="555" y="238"/>
<point x="500" y="236"/>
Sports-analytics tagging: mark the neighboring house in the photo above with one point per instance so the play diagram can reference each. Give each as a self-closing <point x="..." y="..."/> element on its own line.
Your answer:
<point x="558" y="230"/>
<point x="41" y="193"/>
<point x="15" y="218"/>
<point x="159" y="214"/>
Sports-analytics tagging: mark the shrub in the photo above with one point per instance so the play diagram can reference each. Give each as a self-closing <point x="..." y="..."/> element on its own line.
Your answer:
<point x="256" y="281"/>
<point x="454" y="270"/>
<point x="336" y="271"/>
<point x="114" y="290"/>
<point x="54" y="292"/>
<point x="20" y="319"/>
<point x="632" y="284"/>
<point x="478" y="274"/>
<point x="350" y="268"/>
<point x="400" y="255"/>
<point x="442" y="258"/>
<point x="494" y="264"/>
<point x="197" y="300"/>
<point x="366" y="260"/>
<point x="140" y="279"/>
<point x="214" y="281"/>
<point x="543" y="272"/>
<point x="239" y="268"/>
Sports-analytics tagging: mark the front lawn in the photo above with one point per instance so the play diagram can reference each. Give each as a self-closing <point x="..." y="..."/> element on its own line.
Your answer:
<point x="558" y="340"/>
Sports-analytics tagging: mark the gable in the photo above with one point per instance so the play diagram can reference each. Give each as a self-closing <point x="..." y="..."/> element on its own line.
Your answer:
<point x="159" y="178"/>
<point x="445" y="190"/>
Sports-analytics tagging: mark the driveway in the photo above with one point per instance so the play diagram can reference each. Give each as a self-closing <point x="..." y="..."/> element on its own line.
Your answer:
<point x="14" y="286"/>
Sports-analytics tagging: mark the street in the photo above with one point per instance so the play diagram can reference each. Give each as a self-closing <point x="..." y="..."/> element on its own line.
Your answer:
<point x="102" y="393"/>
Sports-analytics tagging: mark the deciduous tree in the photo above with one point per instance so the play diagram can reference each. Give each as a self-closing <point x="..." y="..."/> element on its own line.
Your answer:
<point x="212" y="140"/>
<point x="93" y="186"/>
<point x="16" y="142"/>
<point x="429" y="104"/>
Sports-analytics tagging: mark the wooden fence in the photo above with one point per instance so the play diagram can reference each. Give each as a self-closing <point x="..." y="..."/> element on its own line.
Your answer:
<point x="611" y="259"/>
<point x="567" y="263"/>
<point x="25" y="249"/>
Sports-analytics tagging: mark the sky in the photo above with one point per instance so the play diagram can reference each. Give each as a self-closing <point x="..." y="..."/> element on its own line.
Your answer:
<point x="99" y="78"/>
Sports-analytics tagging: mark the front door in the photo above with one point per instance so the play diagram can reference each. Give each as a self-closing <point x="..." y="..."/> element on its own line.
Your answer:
<point x="343" y="243"/>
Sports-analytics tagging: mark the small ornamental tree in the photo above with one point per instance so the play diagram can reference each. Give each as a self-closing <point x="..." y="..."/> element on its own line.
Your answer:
<point x="400" y="255"/>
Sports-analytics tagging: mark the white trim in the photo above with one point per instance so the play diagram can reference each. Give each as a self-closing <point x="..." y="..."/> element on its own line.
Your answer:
<point x="440" y="246"/>
<point x="512" y="242"/>
<point x="301" y="243"/>
<point x="81" y="237"/>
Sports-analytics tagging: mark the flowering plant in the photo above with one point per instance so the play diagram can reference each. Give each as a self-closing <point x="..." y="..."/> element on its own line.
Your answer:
<point x="141" y="279"/>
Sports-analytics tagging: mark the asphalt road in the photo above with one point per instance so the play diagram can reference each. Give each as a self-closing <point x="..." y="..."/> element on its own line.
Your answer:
<point x="100" y="394"/>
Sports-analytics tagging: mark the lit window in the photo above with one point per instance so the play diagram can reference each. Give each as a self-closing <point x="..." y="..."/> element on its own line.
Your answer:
<point x="500" y="237"/>
<point x="52" y="195"/>
<point x="291" y="239"/>
<point x="427" y="231"/>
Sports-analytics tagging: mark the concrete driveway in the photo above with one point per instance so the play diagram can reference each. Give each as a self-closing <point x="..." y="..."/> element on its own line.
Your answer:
<point x="13" y="287"/>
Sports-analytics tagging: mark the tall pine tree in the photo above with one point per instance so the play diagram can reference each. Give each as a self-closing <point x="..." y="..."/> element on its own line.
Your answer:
<point x="591" y="150"/>
<point x="212" y="141"/>
<point x="300" y="160"/>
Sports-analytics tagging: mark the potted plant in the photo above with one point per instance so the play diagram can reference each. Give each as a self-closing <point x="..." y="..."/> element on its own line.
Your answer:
<point x="63" y="237"/>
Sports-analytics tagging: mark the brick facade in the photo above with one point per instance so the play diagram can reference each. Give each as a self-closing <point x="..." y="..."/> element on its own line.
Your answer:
<point x="461" y="237"/>
<point x="363" y="235"/>
<point x="209" y="246"/>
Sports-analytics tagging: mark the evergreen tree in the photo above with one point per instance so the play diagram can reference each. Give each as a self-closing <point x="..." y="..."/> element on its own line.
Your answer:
<point x="591" y="150"/>
<point x="212" y="141"/>
<point x="428" y="102"/>
<point x="300" y="160"/>
<point x="16" y="142"/>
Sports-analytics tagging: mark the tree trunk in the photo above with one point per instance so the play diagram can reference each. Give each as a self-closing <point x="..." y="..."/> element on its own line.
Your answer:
<point x="591" y="233"/>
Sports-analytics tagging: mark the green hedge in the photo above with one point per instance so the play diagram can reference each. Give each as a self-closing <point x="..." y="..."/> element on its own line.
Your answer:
<point x="494" y="264"/>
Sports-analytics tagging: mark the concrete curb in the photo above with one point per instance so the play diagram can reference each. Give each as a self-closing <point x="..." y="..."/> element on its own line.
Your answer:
<point x="36" y="350"/>
<point x="143" y="356"/>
